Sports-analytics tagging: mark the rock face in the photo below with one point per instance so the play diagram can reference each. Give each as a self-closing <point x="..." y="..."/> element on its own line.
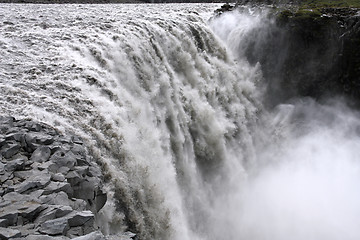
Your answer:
<point x="309" y="52"/>
<point x="50" y="188"/>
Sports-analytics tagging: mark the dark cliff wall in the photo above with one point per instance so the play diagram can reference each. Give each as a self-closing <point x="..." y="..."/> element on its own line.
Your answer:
<point x="313" y="53"/>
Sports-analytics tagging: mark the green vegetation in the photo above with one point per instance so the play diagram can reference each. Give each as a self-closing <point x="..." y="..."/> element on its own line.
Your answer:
<point x="329" y="3"/>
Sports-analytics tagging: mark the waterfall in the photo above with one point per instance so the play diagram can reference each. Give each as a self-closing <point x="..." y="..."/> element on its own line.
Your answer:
<point x="171" y="110"/>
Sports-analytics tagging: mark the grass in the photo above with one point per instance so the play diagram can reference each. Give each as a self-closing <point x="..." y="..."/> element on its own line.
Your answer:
<point x="330" y="3"/>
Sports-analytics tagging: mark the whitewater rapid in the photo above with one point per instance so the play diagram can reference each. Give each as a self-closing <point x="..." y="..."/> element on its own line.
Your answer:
<point x="172" y="112"/>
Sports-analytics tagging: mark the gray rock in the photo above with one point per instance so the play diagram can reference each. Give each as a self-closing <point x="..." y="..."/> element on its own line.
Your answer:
<point x="100" y="200"/>
<point x="81" y="218"/>
<point x="3" y="223"/>
<point x="77" y="140"/>
<point x="2" y="141"/>
<point x="41" y="154"/>
<point x="10" y="149"/>
<point x="52" y="212"/>
<point x="45" y="237"/>
<point x="60" y="198"/>
<point x="82" y="170"/>
<point x="91" y="236"/>
<point x="74" y="178"/>
<point x="30" y="210"/>
<point x="24" y="174"/>
<point x="7" y="233"/>
<point x="63" y="159"/>
<point x="39" y="180"/>
<point x="16" y="163"/>
<point x="79" y="204"/>
<point x="2" y="168"/>
<point x="75" y="232"/>
<point x="55" y="187"/>
<point x="10" y="215"/>
<point x="57" y="226"/>
<point x="58" y="177"/>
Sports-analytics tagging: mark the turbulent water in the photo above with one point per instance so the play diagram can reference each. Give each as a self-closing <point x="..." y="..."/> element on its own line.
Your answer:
<point x="172" y="111"/>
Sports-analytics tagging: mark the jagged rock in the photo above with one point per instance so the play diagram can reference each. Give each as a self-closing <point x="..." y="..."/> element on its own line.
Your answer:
<point x="63" y="159"/>
<point x="57" y="226"/>
<point x="75" y="232"/>
<point x="41" y="154"/>
<point x="100" y="200"/>
<point x="74" y="178"/>
<point x="9" y="216"/>
<point x="91" y="236"/>
<point x="10" y="149"/>
<point x="77" y="140"/>
<point x="82" y="170"/>
<point x="79" y="204"/>
<point x="36" y="181"/>
<point x="55" y="187"/>
<point x="16" y="136"/>
<point x="58" y="177"/>
<point x="7" y="233"/>
<point x="60" y="198"/>
<point x="54" y="211"/>
<point x="2" y="168"/>
<point x="30" y="210"/>
<point x="45" y="237"/>
<point x="81" y="218"/>
<point x="2" y="141"/>
<point x="39" y="170"/>
<point x="16" y="163"/>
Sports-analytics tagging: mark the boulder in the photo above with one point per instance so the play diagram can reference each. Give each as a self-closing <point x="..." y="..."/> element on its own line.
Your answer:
<point x="57" y="226"/>
<point x="63" y="159"/>
<point x="10" y="149"/>
<point x="7" y="233"/>
<point x="52" y="212"/>
<point x="81" y="218"/>
<point x="40" y="180"/>
<point x="59" y="198"/>
<point x="55" y="187"/>
<point x="41" y="154"/>
<point x="16" y="163"/>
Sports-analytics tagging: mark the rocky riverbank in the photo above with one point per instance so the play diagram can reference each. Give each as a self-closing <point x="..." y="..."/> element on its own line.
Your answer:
<point x="50" y="187"/>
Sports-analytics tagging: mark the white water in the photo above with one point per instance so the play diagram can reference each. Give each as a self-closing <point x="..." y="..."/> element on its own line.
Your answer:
<point x="175" y="120"/>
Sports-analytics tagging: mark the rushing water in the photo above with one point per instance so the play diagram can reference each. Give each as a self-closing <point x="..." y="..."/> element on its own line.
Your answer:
<point x="172" y="111"/>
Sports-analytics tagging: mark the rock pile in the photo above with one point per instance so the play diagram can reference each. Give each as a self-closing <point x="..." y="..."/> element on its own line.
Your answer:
<point x="50" y="188"/>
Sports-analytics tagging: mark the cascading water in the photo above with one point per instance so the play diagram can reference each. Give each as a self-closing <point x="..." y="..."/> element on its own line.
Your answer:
<point x="173" y="115"/>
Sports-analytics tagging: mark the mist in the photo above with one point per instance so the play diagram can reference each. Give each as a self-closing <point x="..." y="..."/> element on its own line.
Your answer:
<point x="304" y="182"/>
